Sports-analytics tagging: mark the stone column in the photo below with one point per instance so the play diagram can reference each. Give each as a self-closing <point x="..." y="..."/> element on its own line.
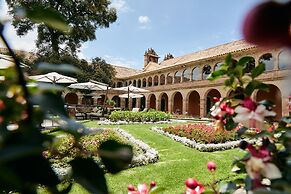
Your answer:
<point x="202" y="107"/>
<point x="185" y="107"/>
<point x="170" y="106"/>
<point x="158" y="104"/>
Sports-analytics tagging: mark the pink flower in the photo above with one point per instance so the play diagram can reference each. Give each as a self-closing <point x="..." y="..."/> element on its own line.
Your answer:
<point x="193" y="186"/>
<point x="211" y="166"/>
<point x="252" y="113"/>
<point x="141" y="188"/>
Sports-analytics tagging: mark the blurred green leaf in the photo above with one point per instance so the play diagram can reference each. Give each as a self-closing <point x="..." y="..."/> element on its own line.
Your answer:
<point x="253" y="85"/>
<point x="115" y="156"/>
<point x="244" y="60"/>
<point x="62" y="68"/>
<point x="228" y="60"/>
<point x="87" y="173"/>
<point x="258" y="70"/>
<point x="51" y="102"/>
<point x="48" y="16"/>
<point x="216" y="74"/>
<point x="156" y="190"/>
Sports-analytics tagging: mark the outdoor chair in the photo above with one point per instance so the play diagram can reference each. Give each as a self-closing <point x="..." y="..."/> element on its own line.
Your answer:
<point x="145" y="110"/>
<point x="95" y="114"/>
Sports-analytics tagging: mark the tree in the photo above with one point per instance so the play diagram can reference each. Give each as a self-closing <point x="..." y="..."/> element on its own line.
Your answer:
<point x="83" y="17"/>
<point x="98" y="70"/>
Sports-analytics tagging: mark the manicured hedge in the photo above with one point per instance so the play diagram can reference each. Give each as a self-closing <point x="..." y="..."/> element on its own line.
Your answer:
<point x="150" y="116"/>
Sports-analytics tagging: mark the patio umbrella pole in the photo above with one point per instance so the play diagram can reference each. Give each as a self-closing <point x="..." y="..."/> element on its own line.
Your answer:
<point x="128" y="98"/>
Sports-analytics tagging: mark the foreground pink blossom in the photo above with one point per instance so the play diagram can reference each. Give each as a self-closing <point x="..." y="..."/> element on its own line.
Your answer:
<point x="193" y="186"/>
<point x="268" y="24"/>
<point x="141" y="188"/>
<point x="251" y="114"/>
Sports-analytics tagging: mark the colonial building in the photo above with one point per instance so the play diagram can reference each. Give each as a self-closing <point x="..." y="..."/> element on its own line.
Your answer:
<point x="178" y="84"/>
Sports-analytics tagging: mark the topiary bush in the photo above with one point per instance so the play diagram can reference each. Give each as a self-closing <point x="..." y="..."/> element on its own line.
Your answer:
<point x="150" y="116"/>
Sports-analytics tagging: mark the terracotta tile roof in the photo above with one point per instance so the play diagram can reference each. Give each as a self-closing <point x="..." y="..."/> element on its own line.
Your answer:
<point x="122" y="72"/>
<point x="219" y="50"/>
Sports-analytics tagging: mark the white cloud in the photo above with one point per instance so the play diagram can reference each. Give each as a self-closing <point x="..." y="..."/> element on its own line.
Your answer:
<point x="119" y="61"/>
<point x="143" y="20"/>
<point x="121" y="6"/>
<point x="81" y="54"/>
<point x="26" y="42"/>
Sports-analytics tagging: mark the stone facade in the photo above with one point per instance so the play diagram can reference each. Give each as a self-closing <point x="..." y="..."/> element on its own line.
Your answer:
<point x="178" y="84"/>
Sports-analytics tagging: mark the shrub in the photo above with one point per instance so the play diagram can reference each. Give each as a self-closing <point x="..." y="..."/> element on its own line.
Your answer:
<point x="201" y="133"/>
<point x="150" y="116"/>
<point x="64" y="146"/>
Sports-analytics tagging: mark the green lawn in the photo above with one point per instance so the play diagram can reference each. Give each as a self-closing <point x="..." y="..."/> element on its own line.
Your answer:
<point x="177" y="163"/>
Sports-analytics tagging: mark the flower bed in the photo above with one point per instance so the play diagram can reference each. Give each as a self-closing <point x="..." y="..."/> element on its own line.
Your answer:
<point x="143" y="154"/>
<point x="201" y="133"/>
<point x="210" y="147"/>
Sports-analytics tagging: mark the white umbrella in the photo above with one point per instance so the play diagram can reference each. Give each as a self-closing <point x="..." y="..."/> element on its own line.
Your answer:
<point x="54" y="78"/>
<point x="89" y="86"/>
<point x="131" y="95"/>
<point x="132" y="88"/>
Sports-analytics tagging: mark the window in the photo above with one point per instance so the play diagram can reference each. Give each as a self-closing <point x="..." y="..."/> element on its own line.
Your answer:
<point x="285" y="59"/>
<point x="150" y="81"/>
<point x="268" y="60"/>
<point x="206" y="71"/>
<point x="162" y="79"/>
<point x="196" y="74"/>
<point x="186" y="75"/>
<point x="169" y="78"/>
<point x="177" y="77"/>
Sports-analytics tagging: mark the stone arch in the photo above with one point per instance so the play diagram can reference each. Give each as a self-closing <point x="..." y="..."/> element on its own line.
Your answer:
<point x="195" y="74"/>
<point x="177" y="103"/>
<point x="169" y="78"/>
<point x="209" y="95"/>
<point x="268" y="60"/>
<point x="194" y="104"/>
<point x="134" y="83"/>
<point x="186" y="75"/>
<point x="144" y="82"/>
<point x="177" y="77"/>
<point x="71" y="98"/>
<point x="162" y="79"/>
<point x="206" y="70"/>
<point x="139" y="83"/>
<point x="284" y="59"/>
<point x="164" y="100"/>
<point x="130" y="82"/>
<point x="119" y="84"/>
<point x="152" y="101"/>
<point x="117" y="100"/>
<point x="156" y="80"/>
<point x="274" y="95"/>
<point x="217" y="66"/>
<point x="150" y="81"/>
<point x="250" y="65"/>
<point x="126" y="84"/>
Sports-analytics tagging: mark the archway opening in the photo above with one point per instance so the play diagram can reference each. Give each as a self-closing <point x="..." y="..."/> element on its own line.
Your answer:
<point x="178" y="103"/>
<point x="274" y="95"/>
<point x="71" y="98"/>
<point x="116" y="99"/>
<point x="100" y="101"/>
<point x="164" y="102"/>
<point x="162" y="79"/>
<point x="152" y="102"/>
<point x="133" y="103"/>
<point x="268" y="60"/>
<point x="142" y="103"/>
<point x="209" y="99"/>
<point x="194" y="104"/>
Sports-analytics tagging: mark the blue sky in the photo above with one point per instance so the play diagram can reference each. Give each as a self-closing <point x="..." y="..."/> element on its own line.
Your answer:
<point x="178" y="27"/>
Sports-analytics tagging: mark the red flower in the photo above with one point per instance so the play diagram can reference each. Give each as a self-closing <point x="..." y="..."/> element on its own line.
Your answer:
<point x="268" y="24"/>
<point x="193" y="186"/>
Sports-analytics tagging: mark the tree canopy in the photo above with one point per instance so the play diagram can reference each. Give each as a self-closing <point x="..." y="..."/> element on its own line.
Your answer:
<point x="83" y="17"/>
